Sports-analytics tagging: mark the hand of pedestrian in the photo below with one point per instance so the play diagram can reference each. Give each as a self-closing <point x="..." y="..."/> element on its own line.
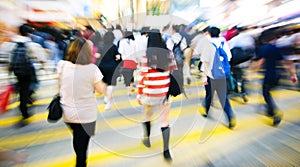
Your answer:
<point x="204" y="80"/>
<point x="118" y="57"/>
<point x="20" y="157"/>
<point x="294" y="79"/>
<point x="16" y="157"/>
<point x="139" y="99"/>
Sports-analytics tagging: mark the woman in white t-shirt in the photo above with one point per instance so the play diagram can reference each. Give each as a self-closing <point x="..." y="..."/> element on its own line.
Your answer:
<point x="79" y="77"/>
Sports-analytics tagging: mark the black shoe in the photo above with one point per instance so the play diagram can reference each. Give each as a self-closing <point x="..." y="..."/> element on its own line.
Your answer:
<point x="276" y="120"/>
<point x="146" y="142"/>
<point x="167" y="156"/>
<point x="22" y="123"/>
<point x="188" y="80"/>
<point x="245" y="98"/>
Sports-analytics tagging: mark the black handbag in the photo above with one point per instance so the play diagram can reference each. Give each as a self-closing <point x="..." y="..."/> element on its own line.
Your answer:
<point x="176" y="84"/>
<point x="55" y="110"/>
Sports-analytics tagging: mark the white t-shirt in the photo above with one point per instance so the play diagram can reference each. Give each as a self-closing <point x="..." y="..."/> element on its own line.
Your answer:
<point x="175" y="39"/>
<point x="77" y="91"/>
<point x="141" y="42"/>
<point x="127" y="49"/>
<point x="206" y="50"/>
<point x="242" y="40"/>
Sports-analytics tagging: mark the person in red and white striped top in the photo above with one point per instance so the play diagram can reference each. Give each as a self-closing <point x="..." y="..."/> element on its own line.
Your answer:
<point x="153" y="86"/>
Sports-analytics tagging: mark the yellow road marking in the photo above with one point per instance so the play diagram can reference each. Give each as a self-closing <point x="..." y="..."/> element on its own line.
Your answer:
<point x="38" y="117"/>
<point x="56" y="134"/>
<point x="99" y="157"/>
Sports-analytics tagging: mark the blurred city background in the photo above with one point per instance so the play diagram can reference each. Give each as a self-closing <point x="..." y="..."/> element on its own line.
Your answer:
<point x="195" y="141"/>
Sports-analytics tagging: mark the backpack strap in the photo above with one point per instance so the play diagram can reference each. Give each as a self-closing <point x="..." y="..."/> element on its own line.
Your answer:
<point x="222" y="44"/>
<point x="177" y="44"/>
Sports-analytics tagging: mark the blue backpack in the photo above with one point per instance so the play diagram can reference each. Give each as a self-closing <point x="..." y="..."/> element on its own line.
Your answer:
<point x="220" y="69"/>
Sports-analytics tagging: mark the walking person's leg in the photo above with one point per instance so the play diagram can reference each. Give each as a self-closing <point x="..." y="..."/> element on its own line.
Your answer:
<point x="128" y="77"/>
<point x="24" y="84"/>
<point x="186" y="66"/>
<point x="147" y="124"/>
<point x="208" y="97"/>
<point x="105" y="92"/>
<point x="221" y="89"/>
<point x="165" y="129"/>
<point x="81" y="138"/>
<point x="271" y="107"/>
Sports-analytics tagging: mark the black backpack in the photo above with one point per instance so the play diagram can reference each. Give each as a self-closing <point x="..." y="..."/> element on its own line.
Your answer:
<point x="178" y="53"/>
<point x="176" y="77"/>
<point x="20" y="62"/>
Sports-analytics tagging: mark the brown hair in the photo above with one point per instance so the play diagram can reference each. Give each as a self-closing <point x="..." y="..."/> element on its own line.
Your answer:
<point x="79" y="52"/>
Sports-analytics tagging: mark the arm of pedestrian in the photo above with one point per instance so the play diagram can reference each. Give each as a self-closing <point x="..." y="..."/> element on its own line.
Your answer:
<point x="99" y="87"/>
<point x="17" y="157"/>
<point x="205" y="70"/>
<point x="289" y="65"/>
<point x="139" y="99"/>
<point x="118" y="57"/>
<point x="256" y="65"/>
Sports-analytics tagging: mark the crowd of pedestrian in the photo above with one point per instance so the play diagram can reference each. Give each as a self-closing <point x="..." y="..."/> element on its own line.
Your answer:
<point x="90" y="60"/>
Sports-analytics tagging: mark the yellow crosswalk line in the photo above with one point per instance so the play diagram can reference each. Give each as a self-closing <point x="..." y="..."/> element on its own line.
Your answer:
<point x="253" y="122"/>
<point x="56" y="134"/>
<point x="254" y="99"/>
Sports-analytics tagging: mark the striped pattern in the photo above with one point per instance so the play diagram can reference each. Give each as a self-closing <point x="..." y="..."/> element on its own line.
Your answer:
<point x="153" y="84"/>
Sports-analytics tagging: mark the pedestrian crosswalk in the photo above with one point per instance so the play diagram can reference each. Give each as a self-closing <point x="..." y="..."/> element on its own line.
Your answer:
<point x="195" y="140"/>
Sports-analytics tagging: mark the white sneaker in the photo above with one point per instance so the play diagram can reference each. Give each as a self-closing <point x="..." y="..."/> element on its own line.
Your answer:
<point x="109" y="105"/>
<point x="105" y="100"/>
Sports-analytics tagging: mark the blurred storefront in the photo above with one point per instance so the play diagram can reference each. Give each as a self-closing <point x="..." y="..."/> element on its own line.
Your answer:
<point x="133" y="14"/>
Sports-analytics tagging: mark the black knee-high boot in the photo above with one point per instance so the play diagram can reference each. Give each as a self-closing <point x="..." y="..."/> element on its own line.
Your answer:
<point x="166" y="136"/>
<point x="147" y="129"/>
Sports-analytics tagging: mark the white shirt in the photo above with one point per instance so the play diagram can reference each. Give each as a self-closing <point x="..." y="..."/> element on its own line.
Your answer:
<point x="175" y="38"/>
<point x="242" y="40"/>
<point x="77" y="91"/>
<point x="206" y="50"/>
<point x="118" y="36"/>
<point x="141" y="42"/>
<point x="127" y="49"/>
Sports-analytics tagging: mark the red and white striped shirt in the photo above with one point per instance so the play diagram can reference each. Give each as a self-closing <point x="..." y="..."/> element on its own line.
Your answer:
<point x="154" y="84"/>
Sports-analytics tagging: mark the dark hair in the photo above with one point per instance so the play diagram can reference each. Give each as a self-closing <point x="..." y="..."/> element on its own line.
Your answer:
<point x="25" y="29"/>
<point x="145" y="30"/>
<point x="79" y="52"/>
<point x="205" y="29"/>
<point x="118" y="27"/>
<point x="89" y="27"/>
<point x="157" y="53"/>
<point x="176" y="28"/>
<point x="109" y="37"/>
<point x="214" y="32"/>
<point x="267" y="35"/>
<point x="128" y="35"/>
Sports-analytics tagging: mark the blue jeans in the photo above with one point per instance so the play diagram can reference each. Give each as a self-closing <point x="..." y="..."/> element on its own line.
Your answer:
<point x="218" y="85"/>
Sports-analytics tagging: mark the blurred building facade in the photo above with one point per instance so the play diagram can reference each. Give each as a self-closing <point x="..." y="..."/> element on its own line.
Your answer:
<point x="157" y="13"/>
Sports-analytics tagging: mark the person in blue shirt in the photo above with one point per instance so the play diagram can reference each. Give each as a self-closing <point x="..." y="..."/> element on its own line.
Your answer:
<point x="269" y="58"/>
